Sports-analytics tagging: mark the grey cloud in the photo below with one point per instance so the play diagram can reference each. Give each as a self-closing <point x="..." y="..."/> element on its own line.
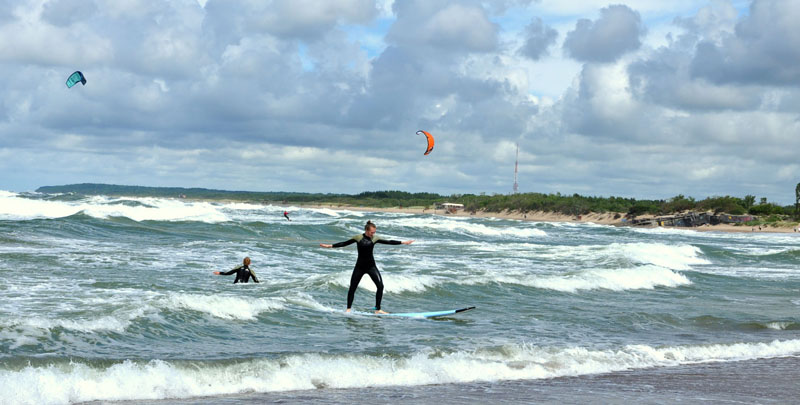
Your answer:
<point x="764" y="49"/>
<point x="7" y="10"/>
<point x="195" y="86"/>
<point x="654" y="126"/>
<point x="712" y="22"/>
<point x="405" y="90"/>
<point x="417" y="82"/>
<point x="664" y="78"/>
<point x="66" y="12"/>
<point x="615" y="33"/>
<point x="312" y="18"/>
<point x="501" y="6"/>
<point x="539" y="37"/>
<point x="444" y="25"/>
<point x="288" y="19"/>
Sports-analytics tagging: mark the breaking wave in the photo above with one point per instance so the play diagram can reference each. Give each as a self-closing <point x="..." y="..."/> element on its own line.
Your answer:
<point x="76" y="381"/>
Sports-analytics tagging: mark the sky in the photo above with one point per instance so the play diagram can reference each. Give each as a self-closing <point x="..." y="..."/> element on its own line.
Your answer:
<point x="633" y="98"/>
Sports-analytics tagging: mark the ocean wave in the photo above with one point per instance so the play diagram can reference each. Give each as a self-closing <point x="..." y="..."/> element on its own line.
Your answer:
<point x="226" y="307"/>
<point x="619" y="279"/>
<point x="76" y="381"/>
<point x="761" y="272"/>
<point x="122" y="308"/>
<point x="243" y="207"/>
<point x="117" y="322"/>
<point x="723" y="236"/>
<point x="394" y="283"/>
<point x="14" y="207"/>
<point x="675" y="257"/>
<point x="464" y="226"/>
<point x="782" y="325"/>
<point x="644" y="277"/>
<point x="325" y="211"/>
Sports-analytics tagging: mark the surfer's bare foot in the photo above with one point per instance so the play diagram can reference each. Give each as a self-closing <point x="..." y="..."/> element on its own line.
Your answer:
<point x="347" y="310"/>
<point x="380" y="311"/>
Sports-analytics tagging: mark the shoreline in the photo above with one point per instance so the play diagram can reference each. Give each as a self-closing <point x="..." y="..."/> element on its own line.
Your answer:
<point x="741" y="381"/>
<point x="609" y="218"/>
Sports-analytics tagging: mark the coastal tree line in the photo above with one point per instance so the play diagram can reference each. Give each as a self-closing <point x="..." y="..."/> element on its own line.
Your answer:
<point x="574" y="204"/>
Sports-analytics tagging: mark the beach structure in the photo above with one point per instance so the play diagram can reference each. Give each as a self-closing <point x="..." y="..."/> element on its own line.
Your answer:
<point x="691" y="219"/>
<point x="733" y="219"/>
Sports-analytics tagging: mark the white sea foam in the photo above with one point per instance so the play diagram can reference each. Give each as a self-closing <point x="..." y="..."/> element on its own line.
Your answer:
<point x="764" y="273"/>
<point x="396" y="283"/>
<point x="779" y="325"/>
<point x="646" y="277"/>
<point x="325" y="211"/>
<point x="464" y="226"/>
<point x="724" y="237"/>
<point x="125" y="306"/>
<point x="643" y="277"/>
<point x="243" y="207"/>
<point x="14" y="207"/>
<point x="117" y="322"/>
<point x="226" y="307"/>
<point x="675" y="257"/>
<point x="76" y="382"/>
<point x="307" y="301"/>
<point x="679" y="257"/>
<point x="352" y="213"/>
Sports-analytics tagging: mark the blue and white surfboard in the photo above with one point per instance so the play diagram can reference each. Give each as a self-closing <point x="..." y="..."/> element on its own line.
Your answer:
<point x="433" y="314"/>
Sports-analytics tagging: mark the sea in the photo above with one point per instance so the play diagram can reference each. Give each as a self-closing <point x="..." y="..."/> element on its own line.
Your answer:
<point x="113" y="300"/>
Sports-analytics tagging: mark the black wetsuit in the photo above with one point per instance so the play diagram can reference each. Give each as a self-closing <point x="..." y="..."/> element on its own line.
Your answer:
<point x="365" y="264"/>
<point x="243" y="274"/>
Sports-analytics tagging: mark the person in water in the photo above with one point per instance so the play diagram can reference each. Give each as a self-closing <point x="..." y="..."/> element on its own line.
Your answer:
<point x="365" y="264"/>
<point x="243" y="272"/>
<point x="286" y="214"/>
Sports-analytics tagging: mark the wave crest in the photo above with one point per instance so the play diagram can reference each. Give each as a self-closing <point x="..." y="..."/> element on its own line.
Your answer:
<point x="157" y="379"/>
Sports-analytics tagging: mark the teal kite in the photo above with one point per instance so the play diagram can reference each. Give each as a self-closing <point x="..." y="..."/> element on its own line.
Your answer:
<point x="75" y="78"/>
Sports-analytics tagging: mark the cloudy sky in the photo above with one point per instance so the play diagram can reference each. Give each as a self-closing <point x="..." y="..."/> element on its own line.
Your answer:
<point x="635" y="98"/>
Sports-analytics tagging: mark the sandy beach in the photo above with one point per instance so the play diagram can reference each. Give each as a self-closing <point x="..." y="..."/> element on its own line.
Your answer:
<point x="610" y="218"/>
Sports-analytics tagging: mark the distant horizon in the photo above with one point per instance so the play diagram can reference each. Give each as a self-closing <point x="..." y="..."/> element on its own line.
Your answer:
<point x="405" y="191"/>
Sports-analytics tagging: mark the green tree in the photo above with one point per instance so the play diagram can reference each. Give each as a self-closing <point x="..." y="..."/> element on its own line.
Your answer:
<point x="750" y="200"/>
<point x="797" y="200"/>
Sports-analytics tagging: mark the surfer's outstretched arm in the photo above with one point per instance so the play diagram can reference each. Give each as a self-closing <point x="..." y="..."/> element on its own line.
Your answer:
<point x="226" y="273"/>
<point x="255" y="280"/>
<point x="338" y="244"/>
<point x="394" y="242"/>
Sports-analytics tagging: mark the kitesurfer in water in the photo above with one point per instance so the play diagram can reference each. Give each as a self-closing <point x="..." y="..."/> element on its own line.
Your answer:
<point x="365" y="264"/>
<point x="286" y="214"/>
<point x="243" y="272"/>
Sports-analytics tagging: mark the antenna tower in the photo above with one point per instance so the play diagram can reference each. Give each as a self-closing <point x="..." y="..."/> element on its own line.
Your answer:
<point x="516" y="170"/>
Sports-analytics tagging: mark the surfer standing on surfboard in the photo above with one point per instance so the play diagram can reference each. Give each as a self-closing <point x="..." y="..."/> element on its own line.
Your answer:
<point x="365" y="264"/>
